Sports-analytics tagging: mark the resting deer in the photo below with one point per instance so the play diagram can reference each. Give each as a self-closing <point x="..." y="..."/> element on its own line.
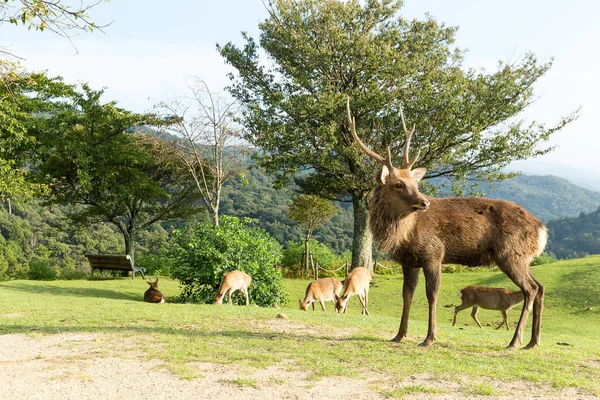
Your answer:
<point x="233" y="281"/>
<point x="153" y="295"/>
<point x="490" y="299"/>
<point x="357" y="282"/>
<point x="321" y="290"/>
<point x="424" y="232"/>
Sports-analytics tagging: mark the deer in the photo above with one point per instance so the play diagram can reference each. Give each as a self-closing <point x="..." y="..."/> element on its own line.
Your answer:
<point x="233" y="281"/>
<point x="490" y="299"/>
<point x="321" y="290"/>
<point x="357" y="282"/>
<point x="421" y="232"/>
<point x="153" y="295"/>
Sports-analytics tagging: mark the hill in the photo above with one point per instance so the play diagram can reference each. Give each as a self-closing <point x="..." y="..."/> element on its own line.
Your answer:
<point x="546" y="197"/>
<point x="575" y="237"/>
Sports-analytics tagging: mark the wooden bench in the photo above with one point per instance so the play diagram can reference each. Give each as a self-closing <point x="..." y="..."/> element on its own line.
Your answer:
<point x="114" y="262"/>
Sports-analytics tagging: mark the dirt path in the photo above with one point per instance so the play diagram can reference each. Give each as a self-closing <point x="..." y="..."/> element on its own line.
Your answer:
<point x="78" y="366"/>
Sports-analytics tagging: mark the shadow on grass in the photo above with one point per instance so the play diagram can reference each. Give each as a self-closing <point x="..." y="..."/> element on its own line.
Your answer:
<point x="73" y="291"/>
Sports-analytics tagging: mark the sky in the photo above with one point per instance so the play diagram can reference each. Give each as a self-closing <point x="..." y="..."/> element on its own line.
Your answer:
<point x="151" y="47"/>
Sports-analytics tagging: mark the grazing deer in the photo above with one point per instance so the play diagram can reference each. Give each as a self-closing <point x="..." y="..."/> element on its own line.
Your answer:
<point x="490" y="299"/>
<point x="321" y="290"/>
<point x="232" y="281"/>
<point x="357" y="282"/>
<point x="152" y="295"/>
<point x="424" y="232"/>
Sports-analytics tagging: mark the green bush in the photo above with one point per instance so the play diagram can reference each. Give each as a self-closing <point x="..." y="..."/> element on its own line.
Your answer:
<point x="155" y="264"/>
<point x="291" y="260"/>
<point x="205" y="253"/>
<point x="70" y="273"/>
<point x="42" y="269"/>
<point x="544" y="258"/>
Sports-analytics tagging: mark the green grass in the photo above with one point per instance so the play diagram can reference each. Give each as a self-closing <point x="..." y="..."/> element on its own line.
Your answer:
<point x="329" y="344"/>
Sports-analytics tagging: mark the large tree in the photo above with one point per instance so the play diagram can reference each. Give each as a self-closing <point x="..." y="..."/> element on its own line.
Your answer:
<point x="40" y="15"/>
<point x="90" y="155"/>
<point x="468" y="122"/>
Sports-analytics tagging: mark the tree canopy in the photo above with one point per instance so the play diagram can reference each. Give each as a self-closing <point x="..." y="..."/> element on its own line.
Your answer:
<point x="90" y="155"/>
<point x="467" y="121"/>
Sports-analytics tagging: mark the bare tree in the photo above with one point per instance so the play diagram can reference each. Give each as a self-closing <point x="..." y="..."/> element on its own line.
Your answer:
<point x="208" y="140"/>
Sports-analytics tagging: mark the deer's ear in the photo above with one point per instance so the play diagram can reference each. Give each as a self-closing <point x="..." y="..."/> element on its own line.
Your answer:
<point x="418" y="174"/>
<point x="383" y="175"/>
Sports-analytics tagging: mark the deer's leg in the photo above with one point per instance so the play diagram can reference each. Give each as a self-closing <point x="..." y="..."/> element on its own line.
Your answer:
<point x="363" y="302"/>
<point x="411" y="277"/>
<point x="504" y="319"/>
<point x="229" y="293"/>
<point x="459" y="308"/>
<point x="474" y="312"/>
<point x="245" y="293"/>
<point x="432" y="286"/>
<point x="322" y="302"/>
<point x="520" y="275"/>
<point x="538" y="308"/>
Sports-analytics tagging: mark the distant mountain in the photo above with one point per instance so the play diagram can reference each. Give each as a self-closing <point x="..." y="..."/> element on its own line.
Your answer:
<point x="586" y="176"/>
<point x="546" y="197"/>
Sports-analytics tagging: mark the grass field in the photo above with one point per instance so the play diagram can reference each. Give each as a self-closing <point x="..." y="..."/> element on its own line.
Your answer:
<point x="329" y="344"/>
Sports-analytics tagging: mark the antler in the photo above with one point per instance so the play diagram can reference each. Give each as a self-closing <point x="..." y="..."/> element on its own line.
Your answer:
<point x="383" y="161"/>
<point x="407" y="163"/>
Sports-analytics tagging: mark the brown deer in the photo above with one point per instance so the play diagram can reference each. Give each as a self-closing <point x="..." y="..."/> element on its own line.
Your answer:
<point x="233" y="281"/>
<point x="153" y="295"/>
<point x="490" y="299"/>
<point x="357" y="282"/>
<point x="424" y="232"/>
<point x="321" y="290"/>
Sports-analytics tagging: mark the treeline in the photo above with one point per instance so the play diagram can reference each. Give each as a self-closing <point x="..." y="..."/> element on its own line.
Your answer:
<point x="575" y="237"/>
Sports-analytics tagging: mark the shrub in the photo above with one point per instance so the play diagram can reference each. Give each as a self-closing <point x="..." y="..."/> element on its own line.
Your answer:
<point x="544" y="258"/>
<point x="291" y="260"/>
<point x="155" y="264"/>
<point x="205" y="253"/>
<point x="42" y="269"/>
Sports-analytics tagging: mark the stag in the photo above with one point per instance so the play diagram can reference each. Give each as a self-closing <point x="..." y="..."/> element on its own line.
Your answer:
<point x="423" y="232"/>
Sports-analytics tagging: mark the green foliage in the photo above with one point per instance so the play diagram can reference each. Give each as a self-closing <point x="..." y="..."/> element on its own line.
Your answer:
<point x="92" y="158"/>
<point x="575" y="237"/>
<point x="155" y="264"/>
<point x="15" y="140"/>
<point x="206" y="253"/>
<point x="542" y="259"/>
<point x="322" y="52"/>
<point x="311" y="212"/>
<point x="41" y="15"/>
<point x="42" y="269"/>
<point x="291" y="260"/>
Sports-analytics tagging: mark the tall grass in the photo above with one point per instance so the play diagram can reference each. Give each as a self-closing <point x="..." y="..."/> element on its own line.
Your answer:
<point x="330" y="344"/>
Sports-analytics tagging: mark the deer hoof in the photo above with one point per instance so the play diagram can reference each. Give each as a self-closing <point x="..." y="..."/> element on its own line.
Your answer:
<point x="397" y="338"/>
<point x="531" y="345"/>
<point x="511" y="347"/>
<point x="426" y="343"/>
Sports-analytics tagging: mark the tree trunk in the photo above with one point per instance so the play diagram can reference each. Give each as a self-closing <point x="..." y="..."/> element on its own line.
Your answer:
<point x="362" y="241"/>
<point x="306" y="253"/>
<point x="215" y="207"/>
<point x="129" y="237"/>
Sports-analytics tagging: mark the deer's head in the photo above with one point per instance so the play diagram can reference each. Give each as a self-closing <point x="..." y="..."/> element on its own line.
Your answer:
<point x="400" y="184"/>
